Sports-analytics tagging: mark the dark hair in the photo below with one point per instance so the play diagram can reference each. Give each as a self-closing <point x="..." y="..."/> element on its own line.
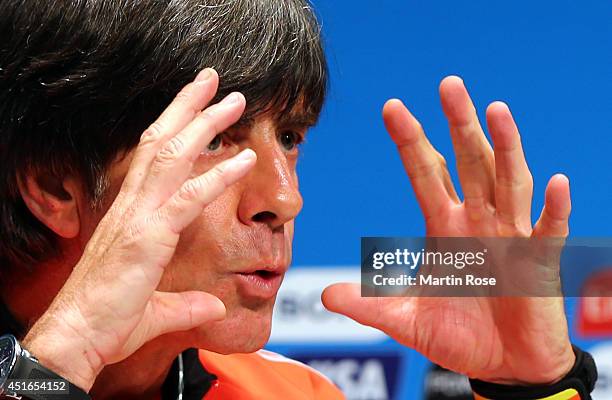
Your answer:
<point x="81" y="79"/>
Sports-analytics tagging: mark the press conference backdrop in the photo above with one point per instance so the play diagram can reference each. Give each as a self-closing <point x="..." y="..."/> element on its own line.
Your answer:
<point x="550" y="61"/>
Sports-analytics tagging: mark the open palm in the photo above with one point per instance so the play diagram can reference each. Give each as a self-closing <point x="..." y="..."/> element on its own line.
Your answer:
<point x="514" y="340"/>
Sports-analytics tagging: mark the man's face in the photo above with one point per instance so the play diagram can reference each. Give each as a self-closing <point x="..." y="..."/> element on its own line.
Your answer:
<point x="240" y="246"/>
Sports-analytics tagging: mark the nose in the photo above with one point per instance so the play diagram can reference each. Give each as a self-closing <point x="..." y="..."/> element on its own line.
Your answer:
<point x="271" y="195"/>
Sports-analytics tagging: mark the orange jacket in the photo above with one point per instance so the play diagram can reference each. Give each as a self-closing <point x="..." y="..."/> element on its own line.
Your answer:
<point x="265" y="375"/>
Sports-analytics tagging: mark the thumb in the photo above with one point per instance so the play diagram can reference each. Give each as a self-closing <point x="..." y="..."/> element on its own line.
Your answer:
<point x="345" y="299"/>
<point x="553" y="221"/>
<point x="171" y="312"/>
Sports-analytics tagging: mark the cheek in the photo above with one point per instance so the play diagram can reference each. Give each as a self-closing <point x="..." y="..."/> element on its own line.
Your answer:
<point x="199" y="260"/>
<point x="289" y="231"/>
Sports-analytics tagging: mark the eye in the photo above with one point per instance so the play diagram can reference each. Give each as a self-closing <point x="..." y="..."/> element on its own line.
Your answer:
<point x="289" y="140"/>
<point x="215" y="144"/>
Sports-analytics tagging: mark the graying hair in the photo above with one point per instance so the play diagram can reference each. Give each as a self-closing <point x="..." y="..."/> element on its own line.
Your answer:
<point x="81" y="79"/>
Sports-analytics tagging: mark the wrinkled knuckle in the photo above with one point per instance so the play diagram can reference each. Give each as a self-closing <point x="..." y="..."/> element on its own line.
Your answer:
<point x="152" y="134"/>
<point x="470" y="159"/>
<point x="190" y="190"/>
<point x="172" y="151"/>
<point x="184" y="96"/>
<point x="424" y="170"/>
<point x="514" y="182"/>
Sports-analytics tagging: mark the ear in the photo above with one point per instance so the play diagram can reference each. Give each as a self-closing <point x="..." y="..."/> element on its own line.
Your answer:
<point x="53" y="202"/>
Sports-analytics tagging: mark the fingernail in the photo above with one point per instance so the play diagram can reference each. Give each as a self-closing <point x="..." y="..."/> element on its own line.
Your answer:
<point x="231" y="98"/>
<point x="204" y="75"/>
<point x="245" y="155"/>
<point x="218" y="311"/>
<point x="502" y="105"/>
<point x="240" y="163"/>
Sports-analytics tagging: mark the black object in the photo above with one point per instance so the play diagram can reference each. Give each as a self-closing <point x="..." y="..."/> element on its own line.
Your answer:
<point x="196" y="380"/>
<point x="443" y="384"/>
<point x="582" y="378"/>
<point x="16" y="363"/>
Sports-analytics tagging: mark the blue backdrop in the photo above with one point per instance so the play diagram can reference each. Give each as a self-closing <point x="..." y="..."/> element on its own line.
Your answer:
<point x="550" y="61"/>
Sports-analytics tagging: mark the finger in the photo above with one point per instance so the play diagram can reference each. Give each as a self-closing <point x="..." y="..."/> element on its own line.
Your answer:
<point x="172" y="312"/>
<point x="151" y="241"/>
<point x="554" y="220"/>
<point x="188" y="103"/>
<point x="345" y="299"/>
<point x="378" y="312"/>
<point x="425" y="167"/>
<point x="406" y="321"/>
<point x="513" y="181"/>
<point x="472" y="150"/>
<point x="187" y="203"/>
<point x="173" y="163"/>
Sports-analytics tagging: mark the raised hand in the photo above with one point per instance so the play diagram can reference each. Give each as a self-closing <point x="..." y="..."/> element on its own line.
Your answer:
<point x="500" y="339"/>
<point x="109" y="306"/>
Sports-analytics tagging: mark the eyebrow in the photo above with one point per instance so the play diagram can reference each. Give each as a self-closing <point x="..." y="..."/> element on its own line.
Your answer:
<point x="244" y="122"/>
<point x="301" y="119"/>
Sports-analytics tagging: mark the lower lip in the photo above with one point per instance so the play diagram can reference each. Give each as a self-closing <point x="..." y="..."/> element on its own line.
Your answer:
<point x="254" y="285"/>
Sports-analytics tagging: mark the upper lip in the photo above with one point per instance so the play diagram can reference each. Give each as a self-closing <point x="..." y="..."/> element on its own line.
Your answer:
<point x="275" y="268"/>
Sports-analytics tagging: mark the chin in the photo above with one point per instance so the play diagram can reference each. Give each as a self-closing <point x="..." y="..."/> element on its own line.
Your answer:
<point x="244" y="330"/>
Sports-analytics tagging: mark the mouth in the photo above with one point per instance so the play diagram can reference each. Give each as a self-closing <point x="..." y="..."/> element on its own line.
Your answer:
<point x="261" y="283"/>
